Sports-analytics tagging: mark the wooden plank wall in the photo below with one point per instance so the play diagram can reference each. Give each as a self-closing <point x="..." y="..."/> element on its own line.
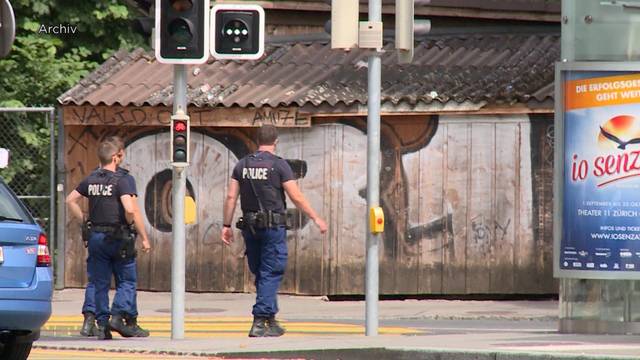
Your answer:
<point x="466" y="200"/>
<point x="542" y="139"/>
<point x="480" y="171"/>
<point x="210" y="266"/>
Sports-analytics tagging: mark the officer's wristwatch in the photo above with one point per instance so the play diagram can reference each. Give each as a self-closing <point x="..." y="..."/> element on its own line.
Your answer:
<point x="226" y="225"/>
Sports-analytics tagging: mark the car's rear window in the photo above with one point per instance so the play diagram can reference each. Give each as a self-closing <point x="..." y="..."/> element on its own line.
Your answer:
<point x="10" y="208"/>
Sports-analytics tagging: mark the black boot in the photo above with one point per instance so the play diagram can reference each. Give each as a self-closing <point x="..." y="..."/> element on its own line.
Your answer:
<point x="259" y="327"/>
<point x="132" y="323"/>
<point x="89" y="325"/>
<point x="273" y="328"/>
<point x="117" y="324"/>
<point x="104" y="333"/>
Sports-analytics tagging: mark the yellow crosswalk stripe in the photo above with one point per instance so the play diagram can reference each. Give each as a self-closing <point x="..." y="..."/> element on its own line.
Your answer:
<point x="163" y="318"/>
<point x="47" y="354"/>
<point x="199" y="327"/>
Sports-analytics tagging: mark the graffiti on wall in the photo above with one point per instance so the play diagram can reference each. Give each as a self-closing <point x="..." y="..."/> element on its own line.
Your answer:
<point x="330" y="160"/>
<point x="161" y="115"/>
<point x="154" y="177"/>
<point x="394" y="188"/>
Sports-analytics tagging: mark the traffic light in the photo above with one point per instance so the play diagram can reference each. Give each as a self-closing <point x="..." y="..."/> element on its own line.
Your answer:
<point x="7" y="28"/>
<point x="182" y="34"/>
<point x="180" y="140"/>
<point x="237" y="32"/>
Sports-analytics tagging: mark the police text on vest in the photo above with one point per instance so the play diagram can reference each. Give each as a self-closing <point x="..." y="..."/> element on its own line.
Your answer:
<point x="254" y="173"/>
<point x="100" y="190"/>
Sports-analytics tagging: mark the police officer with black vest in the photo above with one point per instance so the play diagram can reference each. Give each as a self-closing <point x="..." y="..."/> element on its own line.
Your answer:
<point x="130" y="328"/>
<point x="113" y="223"/>
<point x="261" y="180"/>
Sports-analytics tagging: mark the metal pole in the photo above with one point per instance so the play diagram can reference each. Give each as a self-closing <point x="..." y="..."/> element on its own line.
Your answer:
<point x="52" y="188"/>
<point x="373" y="177"/>
<point x="61" y="214"/>
<point x="179" y="188"/>
<point x="26" y="109"/>
<point x="567" y="38"/>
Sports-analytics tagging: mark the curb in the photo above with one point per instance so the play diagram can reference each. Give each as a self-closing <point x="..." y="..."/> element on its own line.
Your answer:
<point x="379" y="353"/>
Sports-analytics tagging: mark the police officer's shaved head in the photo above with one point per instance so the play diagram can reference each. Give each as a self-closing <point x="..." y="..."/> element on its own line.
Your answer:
<point x="106" y="150"/>
<point x="267" y="135"/>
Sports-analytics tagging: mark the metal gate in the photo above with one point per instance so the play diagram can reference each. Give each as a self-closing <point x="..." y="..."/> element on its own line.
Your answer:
<point x="29" y="135"/>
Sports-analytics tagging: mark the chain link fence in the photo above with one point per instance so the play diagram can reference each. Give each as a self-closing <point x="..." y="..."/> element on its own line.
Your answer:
<point x="28" y="134"/>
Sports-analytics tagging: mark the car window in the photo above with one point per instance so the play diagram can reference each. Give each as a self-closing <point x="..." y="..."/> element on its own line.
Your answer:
<point x="10" y="207"/>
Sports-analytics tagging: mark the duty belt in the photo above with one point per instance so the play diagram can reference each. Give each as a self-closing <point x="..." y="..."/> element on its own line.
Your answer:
<point x="106" y="228"/>
<point x="118" y="232"/>
<point x="263" y="219"/>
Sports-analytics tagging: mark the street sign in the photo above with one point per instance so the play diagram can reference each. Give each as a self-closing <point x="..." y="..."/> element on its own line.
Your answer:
<point x="7" y="28"/>
<point x="237" y="32"/>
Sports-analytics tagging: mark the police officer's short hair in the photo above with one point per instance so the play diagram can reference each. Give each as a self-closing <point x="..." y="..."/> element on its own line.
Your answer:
<point x="267" y="135"/>
<point x="106" y="150"/>
<point x="117" y="140"/>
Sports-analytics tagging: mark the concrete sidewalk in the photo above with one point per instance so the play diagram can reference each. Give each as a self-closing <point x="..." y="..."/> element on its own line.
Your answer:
<point x="69" y="302"/>
<point x="538" y="341"/>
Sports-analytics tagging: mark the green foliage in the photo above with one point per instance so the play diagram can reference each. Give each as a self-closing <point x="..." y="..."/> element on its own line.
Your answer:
<point x="42" y="66"/>
<point x="28" y="141"/>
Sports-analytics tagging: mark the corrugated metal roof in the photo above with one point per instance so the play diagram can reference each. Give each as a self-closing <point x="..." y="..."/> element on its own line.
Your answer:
<point x="493" y="69"/>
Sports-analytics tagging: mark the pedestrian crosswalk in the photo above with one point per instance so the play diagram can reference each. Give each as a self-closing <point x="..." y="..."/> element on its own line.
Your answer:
<point x="56" y="354"/>
<point x="217" y="326"/>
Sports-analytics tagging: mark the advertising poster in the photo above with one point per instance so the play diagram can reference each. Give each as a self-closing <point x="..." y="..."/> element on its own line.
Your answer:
<point x="601" y="204"/>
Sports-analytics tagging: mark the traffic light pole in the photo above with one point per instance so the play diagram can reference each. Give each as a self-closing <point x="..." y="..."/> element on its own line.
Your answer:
<point x="178" y="225"/>
<point x="373" y="178"/>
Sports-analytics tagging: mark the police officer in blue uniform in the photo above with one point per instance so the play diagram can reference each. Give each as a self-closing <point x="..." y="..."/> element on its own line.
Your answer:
<point x="111" y="239"/>
<point x="130" y="328"/>
<point x="261" y="180"/>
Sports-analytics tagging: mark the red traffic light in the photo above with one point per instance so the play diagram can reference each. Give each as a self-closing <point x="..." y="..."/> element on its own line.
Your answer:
<point x="179" y="126"/>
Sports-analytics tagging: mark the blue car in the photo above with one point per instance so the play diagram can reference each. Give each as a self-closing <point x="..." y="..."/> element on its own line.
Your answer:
<point x="26" y="281"/>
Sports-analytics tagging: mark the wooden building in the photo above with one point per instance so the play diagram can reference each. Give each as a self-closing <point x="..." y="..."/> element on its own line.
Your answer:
<point x="466" y="175"/>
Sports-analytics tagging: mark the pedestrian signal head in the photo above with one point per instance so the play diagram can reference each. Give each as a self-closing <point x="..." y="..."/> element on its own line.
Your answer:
<point x="180" y="140"/>
<point x="237" y="32"/>
<point x="180" y="126"/>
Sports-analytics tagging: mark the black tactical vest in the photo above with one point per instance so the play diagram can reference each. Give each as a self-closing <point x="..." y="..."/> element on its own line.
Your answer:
<point x="105" y="207"/>
<point x="267" y="188"/>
